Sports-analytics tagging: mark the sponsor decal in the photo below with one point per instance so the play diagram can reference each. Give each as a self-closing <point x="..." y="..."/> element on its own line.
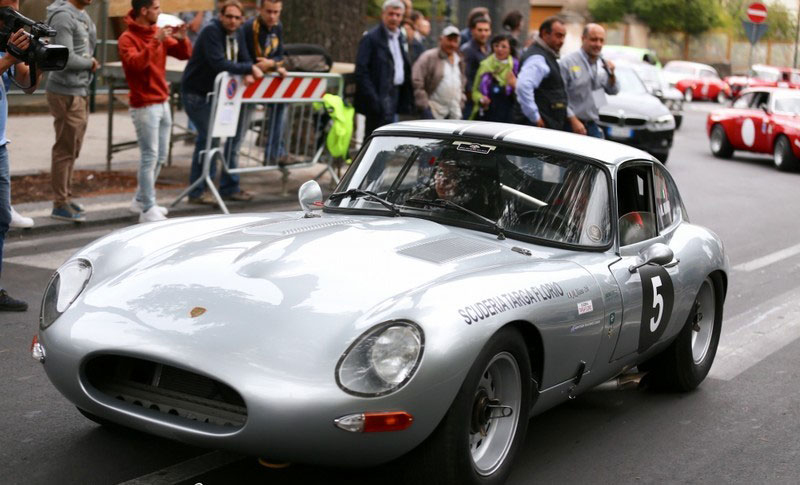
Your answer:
<point x="585" y="307"/>
<point x="577" y="292"/>
<point x="658" y="297"/>
<point x="466" y="146"/>
<point x="581" y="326"/>
<point x="748" y="132"/>
<point x="501" y="303"/>
<point x="594" y="232"/>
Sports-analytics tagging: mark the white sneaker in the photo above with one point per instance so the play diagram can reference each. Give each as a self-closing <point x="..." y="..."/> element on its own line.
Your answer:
<point x="18" y="220"/>
<point x="136" y="207"/>
<point x="152" y="215"/>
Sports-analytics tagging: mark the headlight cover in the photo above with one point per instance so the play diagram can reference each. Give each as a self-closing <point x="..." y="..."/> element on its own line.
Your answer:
<point x="66" y="285"/>
<point x="382" y="360"/>
<point x="661" y="123"/>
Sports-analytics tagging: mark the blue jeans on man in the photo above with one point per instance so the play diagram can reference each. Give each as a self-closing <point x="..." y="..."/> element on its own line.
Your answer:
<point x="153" y="124"/>
<point x="594" y="130"/>
<point x="198" y="108"/>
<point x="5" y="199"/>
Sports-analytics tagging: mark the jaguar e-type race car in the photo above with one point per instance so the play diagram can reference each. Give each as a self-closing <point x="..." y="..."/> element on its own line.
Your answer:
<point x="462" y="278"/>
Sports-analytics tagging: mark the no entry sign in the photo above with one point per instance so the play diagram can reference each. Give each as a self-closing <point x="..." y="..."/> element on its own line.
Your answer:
<point x="757" y="12"/>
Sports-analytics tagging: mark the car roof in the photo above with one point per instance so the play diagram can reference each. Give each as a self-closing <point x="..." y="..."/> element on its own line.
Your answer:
<point x="695" y="65"/>
<point x="770" y="89"/>
<point x="610" y="153"/>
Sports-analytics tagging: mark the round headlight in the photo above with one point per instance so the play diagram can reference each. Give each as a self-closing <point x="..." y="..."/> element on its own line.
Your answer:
<point x="67" y="283"/>
<point x="382" y="360"/>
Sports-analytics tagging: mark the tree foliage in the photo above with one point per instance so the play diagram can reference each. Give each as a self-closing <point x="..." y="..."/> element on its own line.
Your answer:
<point x="690" y="16"/>
<point x="781" y="22"/>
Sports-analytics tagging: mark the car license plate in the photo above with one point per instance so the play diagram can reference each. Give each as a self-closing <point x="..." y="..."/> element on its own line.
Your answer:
<point x="619" y="132"/>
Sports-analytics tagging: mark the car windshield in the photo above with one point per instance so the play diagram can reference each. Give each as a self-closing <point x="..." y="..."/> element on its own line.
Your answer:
<point x="522" y="192"/>
<point x="787" y="104"/>
<point x="650" y="76"/>
<point x="680" y="68"/>
<point x="629" y="82"/>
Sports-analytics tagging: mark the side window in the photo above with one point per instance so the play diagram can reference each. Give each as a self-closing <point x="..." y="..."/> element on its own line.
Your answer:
<point x="637" y="221"/>
<point x="706" y="74"/>
<point x="668" y="206"/>
<point x="743" y="101"/>
<point x="759" y="100"/>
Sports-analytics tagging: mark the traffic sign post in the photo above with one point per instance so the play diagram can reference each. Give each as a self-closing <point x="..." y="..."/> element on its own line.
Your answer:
<point x="755" y="28"/>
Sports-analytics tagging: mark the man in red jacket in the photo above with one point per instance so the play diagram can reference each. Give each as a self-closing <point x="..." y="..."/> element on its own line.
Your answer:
<point x="143" y="49"/>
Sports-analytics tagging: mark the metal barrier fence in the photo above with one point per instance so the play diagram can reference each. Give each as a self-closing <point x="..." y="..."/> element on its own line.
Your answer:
<point x="272" y="124"/>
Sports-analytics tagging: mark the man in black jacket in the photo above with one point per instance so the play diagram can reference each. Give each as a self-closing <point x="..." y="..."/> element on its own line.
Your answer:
<point x="383" y="72"/>
<point x="219" y="47"/>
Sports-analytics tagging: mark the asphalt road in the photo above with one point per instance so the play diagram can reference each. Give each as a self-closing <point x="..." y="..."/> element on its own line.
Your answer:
<point x="741" y="426"/>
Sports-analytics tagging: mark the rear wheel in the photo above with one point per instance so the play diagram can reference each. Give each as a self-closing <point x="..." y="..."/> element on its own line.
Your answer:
<point x="721" y="98"/>
<point x="783" y="157"/>
<point x="720" y="145"/>
<point x="686" y="362"/>
<point x="480" y="435"/>
<point x="661" y="156"/>
<point x="678" y="120"/>
<point x="688" y="95"/>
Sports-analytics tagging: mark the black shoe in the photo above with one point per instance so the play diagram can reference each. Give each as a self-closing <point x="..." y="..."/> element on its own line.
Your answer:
<point x="8" y="304"/>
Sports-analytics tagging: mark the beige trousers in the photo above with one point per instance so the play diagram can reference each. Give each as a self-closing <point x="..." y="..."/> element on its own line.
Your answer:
<point x="71" y="115"/>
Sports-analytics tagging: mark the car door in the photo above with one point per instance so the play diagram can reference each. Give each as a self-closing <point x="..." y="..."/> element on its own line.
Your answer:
<point x="733" y="125"/>
<point x="760" y="118"/>
<point x="648" y="292"/>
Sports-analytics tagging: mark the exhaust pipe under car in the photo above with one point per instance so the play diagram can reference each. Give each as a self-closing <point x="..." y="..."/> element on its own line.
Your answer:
<point x="622" y="382"/>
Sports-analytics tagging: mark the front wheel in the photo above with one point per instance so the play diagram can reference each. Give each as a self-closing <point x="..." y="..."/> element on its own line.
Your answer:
<point x="720" y="145"/>
<point x="688" y="95"/>
<point x="783" y="157"/>
<point x="686" y="362"/>
<point x="480" y="435"/>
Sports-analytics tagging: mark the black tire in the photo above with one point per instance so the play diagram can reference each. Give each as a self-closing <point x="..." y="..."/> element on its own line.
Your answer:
<point x="678" y="120"/>
<point x="661" y="156"/>
<point x="679" y="367"/>
<point x="446" y="456"/>
<point x="783" y="158"/>
<point x="721" y="98"/>
<point x="688" y="95"/>
<point x="718" y="142"/>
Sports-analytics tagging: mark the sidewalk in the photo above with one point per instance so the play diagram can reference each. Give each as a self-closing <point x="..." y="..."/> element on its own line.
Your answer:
<point x="32" y="138"/>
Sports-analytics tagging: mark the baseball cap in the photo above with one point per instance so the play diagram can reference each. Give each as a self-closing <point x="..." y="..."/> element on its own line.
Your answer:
<point x="451" y="30"/>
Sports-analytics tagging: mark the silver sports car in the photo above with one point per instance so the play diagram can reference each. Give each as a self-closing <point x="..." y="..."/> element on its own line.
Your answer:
<point x="462" y="278"/>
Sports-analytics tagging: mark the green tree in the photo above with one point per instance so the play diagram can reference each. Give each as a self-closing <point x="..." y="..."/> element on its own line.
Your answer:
<point x="690" y="16"/>
<point x="782" y="23"/>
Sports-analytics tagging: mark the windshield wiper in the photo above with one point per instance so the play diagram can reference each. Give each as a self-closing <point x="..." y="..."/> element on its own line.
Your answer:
<point x="366" y="194"/>
<point x="444" y="203"/>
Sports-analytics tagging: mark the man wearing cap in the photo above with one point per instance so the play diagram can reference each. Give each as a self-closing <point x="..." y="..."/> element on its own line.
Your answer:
<point x="439" y="80"/>
<point x="541" y="94"/>
<point x="383" y="72"/>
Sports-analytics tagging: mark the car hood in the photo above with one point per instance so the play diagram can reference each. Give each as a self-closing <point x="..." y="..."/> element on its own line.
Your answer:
<point x="644" y="105"/>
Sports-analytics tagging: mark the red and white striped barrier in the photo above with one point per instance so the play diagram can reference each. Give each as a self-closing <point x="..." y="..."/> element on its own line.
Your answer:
<point x="286" y="89"/>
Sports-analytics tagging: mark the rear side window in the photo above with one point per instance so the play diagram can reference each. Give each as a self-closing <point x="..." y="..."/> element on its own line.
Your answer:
<point x="743" y="101"/>
<point x="668" y="208"/>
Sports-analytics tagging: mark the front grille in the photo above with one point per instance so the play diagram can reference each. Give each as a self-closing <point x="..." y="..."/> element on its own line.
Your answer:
<point x="168" y="390"/>
<point x="616" y="120"/>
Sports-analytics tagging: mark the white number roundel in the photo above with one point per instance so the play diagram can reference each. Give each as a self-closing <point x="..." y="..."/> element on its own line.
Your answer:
<point x="748" y="132"/>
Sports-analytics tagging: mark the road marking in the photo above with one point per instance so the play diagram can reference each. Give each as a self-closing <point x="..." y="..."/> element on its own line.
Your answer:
<point x="768" y="259"/>
<point x="187" y="469"/>
<point x="757" y="334"/>
<point x="50" y="260"/>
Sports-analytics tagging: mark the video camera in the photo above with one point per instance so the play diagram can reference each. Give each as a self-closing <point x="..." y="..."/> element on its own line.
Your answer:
<point x="45" y="57"/>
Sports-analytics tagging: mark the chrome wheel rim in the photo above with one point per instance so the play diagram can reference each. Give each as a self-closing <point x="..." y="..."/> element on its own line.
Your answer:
<point x="716" y="139"/>
<point x="495" y="413"/>
<point x="721" y="98"/>
<point x="687" y="95"/>
<point x="779" y="152"/>
<point x="703" y="321"/>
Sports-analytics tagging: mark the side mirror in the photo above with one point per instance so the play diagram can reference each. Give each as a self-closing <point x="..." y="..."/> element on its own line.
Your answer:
<point x="658" y="253"/>
<point x="310" y="197"/>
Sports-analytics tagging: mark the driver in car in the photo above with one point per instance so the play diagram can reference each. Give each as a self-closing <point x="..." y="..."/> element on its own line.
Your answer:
<point x="460" y="183"/>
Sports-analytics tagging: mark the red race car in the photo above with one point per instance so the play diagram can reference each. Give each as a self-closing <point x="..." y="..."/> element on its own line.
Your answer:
<point x="765" y="76"/>
<point x="761" y="120"/>
<point x="697" y="81"/>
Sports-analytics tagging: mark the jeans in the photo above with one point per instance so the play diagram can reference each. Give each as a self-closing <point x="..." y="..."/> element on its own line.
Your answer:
<point x="152" y="125"/>
<point x="592" y="129"/>
<point x="5" y="199"/>
<point x="275" y="148"/>
<point x="199" y="110"/>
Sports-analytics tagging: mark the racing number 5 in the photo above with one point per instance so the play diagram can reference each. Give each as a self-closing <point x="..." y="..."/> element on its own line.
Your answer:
<point x="658" y="303"/>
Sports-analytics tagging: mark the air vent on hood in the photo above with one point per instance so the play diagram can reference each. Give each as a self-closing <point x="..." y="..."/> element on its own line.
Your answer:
<point x="447" y="250"/>
<point x="296" y="226"/>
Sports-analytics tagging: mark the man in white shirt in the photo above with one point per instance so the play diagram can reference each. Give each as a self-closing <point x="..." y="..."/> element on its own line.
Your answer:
<point x="439" y="80"/>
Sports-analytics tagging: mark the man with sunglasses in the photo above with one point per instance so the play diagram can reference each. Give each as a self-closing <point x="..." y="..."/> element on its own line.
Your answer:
<point x="219" y="47"/>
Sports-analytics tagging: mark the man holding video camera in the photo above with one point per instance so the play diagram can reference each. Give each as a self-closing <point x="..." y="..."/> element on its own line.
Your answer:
<point x="68" y="98"/>
<point x="10" y="66"/>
